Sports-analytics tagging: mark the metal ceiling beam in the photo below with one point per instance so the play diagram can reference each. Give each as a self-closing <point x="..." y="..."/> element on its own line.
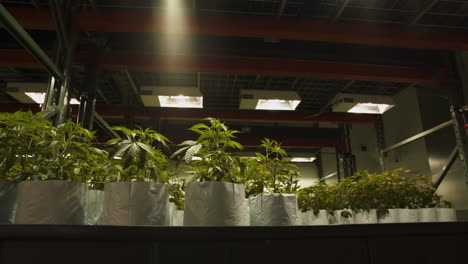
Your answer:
<point x="59" y="20"/>
<point x="105" y="126"/>
<point x="236" y="65"/>
<point x="36" y="3"/>
<point x="15" y="29"/>
<point x="423" y="11"/>
<point x="251" y="26"/>
<point x="93" y="5"/>
<point x="118" y="112"/>
<point x="268" y="66"/>
<point x="340" y="11"/>
<point x="282" y="6"/>
<point x="134" y="87"/>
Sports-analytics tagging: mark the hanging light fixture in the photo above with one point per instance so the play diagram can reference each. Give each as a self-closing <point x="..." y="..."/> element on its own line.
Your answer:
<point x="269" y="100"/>
<point x="362" y="104"/>
<point x="31" y="93"/>
<point x="171" y="96"/>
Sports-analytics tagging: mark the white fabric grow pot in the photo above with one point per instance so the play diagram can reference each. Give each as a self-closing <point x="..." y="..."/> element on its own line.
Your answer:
<point x="178" y="218"/>
<point x="427" y="215"/>
<point x="51" y="202"/>
<point x="338" y="219"/>
<point x="393" y="216"/>
<point x="172" y="209"/>
<point x="94" y="207"/>
<point x="446" y="215"/>
<point x="275" y="209"/>
<point x="247" y="211"/>
<point x="365" y="217"/>
<point x="304" y="218"/>
<point x="408" y="215"/>
<point x="309" y="218"/>
<point x="136" y="203"/>
<point x="214" y="204"/>
<point x="8" y="194"/>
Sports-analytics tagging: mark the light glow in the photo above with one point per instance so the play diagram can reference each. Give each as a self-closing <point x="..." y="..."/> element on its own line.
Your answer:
<point x="277" y="104"/>
<point x="73" y="101"/>
<point x="369" y="108"/>
<point x="40" y="97"/>
<point x="302" y="159"/>
<point x="37" y="97"/>
<point x="196" y="158"/>
<point x="181" y="101"/>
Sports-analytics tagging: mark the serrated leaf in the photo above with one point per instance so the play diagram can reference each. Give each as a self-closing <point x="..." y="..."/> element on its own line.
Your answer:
<point x="191" y="152"/>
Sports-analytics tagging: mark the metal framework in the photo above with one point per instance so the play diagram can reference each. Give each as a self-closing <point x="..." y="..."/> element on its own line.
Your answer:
<point x="56" y="102"/>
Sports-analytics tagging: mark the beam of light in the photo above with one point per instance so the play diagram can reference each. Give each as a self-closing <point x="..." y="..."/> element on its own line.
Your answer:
<point x="175" y="40"/>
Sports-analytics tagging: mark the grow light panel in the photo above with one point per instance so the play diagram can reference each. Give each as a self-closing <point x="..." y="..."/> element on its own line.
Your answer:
<point x="269" y="100"/>
<point x="171" y="96"/>
<point x="362" y="104"/>
<point x="74" y="101"/>
<point x="302" y="159"/>
<point x="277" y="104"/>
<point x="181" y="101"/>
<point x="370" y="108"/>
<point x="37" y="97"/>
<point x="40" y="97"/>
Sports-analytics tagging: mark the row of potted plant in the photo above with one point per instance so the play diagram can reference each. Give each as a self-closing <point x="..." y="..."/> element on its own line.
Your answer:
<point x="64" y="179"/>
<point x="391" y="196"/>
<point x="52" y="166"/>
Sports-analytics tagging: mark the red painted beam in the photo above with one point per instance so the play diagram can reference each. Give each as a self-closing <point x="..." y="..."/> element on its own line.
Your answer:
<point x="33" y="18"/>
<point x="266" y="66"/>
<point x="244" y="65"/>
<point x="250" y="26"/>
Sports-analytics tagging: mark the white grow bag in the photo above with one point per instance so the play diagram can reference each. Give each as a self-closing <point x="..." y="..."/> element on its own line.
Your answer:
<point x="8" y="194"/>
<point x="275" y="209"/>
<point x="428" y="215"/>
<point x="214" y="204"/>
<point x="172" y="209"/>
<point x="94" y="207"/>
<point x="50" y="202"/>
<point x="393" y="216"/>
<point x="365" y="217"/>
<point x="247" y="212"/>
<point x="409" y="215"/>
<point x="338" y="219"/>
<point x="136" y="203"/>
<point x="446" y="215"/>
<point x="309" y="218"/>
<point x="178" y="218"/>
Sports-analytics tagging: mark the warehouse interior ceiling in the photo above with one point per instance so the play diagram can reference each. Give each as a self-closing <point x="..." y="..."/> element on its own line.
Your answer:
<point x="223" y="64"/>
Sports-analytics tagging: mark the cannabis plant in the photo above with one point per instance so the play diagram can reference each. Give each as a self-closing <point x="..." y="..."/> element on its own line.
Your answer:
<point x="177" y="192"/>
<point x="20" y="133"/>
<point x="68" y="147"/>
<point x="211" y="146"/>
<point x="139" y="159"/>
<point x="251" y="175"/>
<point x="314" y="198"/>
<point x="99" y="168"/>
<point x="281" y="176"/>
<point x="398" y="188"/>
<point x="33" y="149"/>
